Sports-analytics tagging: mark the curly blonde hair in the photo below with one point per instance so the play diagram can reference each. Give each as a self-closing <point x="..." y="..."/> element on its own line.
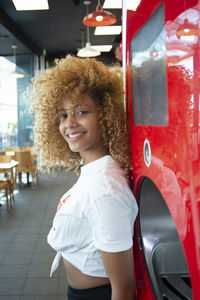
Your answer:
<point x="72" y="76"/>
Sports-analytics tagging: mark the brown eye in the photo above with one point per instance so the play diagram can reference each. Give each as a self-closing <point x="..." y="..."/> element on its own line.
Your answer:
<point x="81" y="112"/>
<point x="62" y="115"/>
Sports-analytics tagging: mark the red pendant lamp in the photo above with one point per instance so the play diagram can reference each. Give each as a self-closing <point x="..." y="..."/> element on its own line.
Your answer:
<point x="187" y="29"/>
<point x="99" y="17"/>
<point x="87" y="51"/>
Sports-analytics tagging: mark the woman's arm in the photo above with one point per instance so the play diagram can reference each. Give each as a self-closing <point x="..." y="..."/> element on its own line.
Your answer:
<point x="119" y="267"/>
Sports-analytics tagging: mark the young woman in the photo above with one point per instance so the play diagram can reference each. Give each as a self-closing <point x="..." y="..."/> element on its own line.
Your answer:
<point x="80" y="124"/>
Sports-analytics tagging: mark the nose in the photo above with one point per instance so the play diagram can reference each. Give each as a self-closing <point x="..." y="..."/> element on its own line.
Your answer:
<point x="70" y="121"/>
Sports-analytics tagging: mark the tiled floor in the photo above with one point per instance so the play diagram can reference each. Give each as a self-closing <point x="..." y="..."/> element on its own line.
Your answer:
<point x="25" y="256"/>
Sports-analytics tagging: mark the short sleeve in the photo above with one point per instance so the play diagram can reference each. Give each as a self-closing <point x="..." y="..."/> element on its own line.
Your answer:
<point x="112" y="221"/>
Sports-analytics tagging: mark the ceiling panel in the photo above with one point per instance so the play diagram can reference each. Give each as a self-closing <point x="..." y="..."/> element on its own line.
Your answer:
<point x="57" y="30"/>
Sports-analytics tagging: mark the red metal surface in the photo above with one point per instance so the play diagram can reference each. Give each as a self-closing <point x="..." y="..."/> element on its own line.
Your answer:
<point x="175" y="148"/>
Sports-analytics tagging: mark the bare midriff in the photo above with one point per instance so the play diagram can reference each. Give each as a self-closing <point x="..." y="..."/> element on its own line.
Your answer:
<point x="77" y="280"/>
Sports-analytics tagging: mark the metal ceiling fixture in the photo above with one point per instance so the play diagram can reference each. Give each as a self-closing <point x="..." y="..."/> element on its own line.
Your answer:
<point x="99" y="17"/>
<point x="88" y="51"/>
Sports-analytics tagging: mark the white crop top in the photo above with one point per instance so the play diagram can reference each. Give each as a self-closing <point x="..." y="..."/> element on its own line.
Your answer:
<point x="97" y="213"/>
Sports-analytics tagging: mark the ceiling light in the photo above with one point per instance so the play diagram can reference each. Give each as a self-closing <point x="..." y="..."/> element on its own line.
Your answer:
<point x="133" y="4"/>
<point x="16" y="74"/>
<point x="108" y="30"/>
<point x="99" y="17"/>
<point x="113" y="4"/>
<point x="102" y="48"/>
<point x="187" y="29"/>
<point x="117" y="4"/>
<point x="31" y="4"/>
<point x="88" y="51"/>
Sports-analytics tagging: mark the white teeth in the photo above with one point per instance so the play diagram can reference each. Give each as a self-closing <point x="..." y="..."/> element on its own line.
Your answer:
<point x="74" y="135"/>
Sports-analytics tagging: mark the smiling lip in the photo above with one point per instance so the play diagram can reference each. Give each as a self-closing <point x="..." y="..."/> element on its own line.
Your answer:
<point x="74" y="136"/>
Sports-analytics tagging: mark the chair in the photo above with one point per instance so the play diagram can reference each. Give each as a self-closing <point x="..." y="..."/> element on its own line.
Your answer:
<point x="32" y="151"/>
<point x="26" y="166"/>
<point x="27" y="148"/>
<point x="5" y="158"/>
<point x="4" y="185"/>
<point x="9" y="149"/>
<point x="6" y="181"/>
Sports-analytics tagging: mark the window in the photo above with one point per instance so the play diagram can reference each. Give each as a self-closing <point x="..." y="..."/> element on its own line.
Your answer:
<point x="148" y="59"/>
<point x="15" y="119"/>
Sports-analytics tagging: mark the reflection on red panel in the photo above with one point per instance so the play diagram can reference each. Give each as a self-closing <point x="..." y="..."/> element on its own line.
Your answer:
<point x="180" y="45"/>
<point x="174" y="145"/>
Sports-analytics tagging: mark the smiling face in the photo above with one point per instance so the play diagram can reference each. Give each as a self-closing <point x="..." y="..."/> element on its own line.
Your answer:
<point x="80" y="128"/>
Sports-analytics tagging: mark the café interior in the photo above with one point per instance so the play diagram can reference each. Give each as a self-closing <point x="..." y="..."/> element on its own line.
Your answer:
<point x="31" y="39"/>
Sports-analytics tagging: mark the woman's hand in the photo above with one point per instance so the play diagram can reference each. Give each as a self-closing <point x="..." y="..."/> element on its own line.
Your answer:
<point x="119" y="267"/>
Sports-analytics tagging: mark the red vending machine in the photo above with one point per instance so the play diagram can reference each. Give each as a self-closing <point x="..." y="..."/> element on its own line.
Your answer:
<point x="161" y="60"/>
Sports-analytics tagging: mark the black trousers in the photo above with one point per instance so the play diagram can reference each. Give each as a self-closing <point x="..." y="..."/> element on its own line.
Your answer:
<point x="97" y="293"/>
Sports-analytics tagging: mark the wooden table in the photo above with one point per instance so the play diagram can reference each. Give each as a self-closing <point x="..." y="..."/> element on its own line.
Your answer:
<point x="9" y="168"/>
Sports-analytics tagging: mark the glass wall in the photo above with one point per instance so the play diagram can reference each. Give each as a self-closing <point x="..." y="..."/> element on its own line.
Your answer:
<point x="15" y="119"/>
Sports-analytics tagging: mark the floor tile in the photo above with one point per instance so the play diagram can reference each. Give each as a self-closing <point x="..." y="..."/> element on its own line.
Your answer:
<point x="32" y="222"/>
<point x="26" y="237"/>
<point x="23" y="246"/>
<point x="11" y="286"/>
<point x="45" y="229"/>
<point x="39" y="297"/>
<point x="63" y="297"/>
<point x="18" y="258"/>
<point x="62" y="272"/>
<point x="62" y="287"/>
<point x="41" y="286"/>
<point x="43" y="257"/>
<point x="25" y="256"/>
<point x="2" y="255"/>
<point x="10" y="298"/>
<point x="13" y="271"/>
<point x="41" y="271"/>
<point x="29" y="230"/>
<point x="6" y="237"/>
<point x="33" y="216"/>
<point x="9" y="230"/>
<point x="42" y="245"/>
<point x="4" y="246"/>
<point x="43" y="238"/>
<point x="14" y="223"/>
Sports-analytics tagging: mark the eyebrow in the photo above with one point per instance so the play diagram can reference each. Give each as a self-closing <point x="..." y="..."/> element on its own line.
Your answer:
<point x="60" y="109"/>
<point x="74" y="107"/>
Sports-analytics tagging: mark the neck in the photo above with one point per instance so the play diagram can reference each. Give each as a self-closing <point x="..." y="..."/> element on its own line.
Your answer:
<point x="89" y="157"/>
